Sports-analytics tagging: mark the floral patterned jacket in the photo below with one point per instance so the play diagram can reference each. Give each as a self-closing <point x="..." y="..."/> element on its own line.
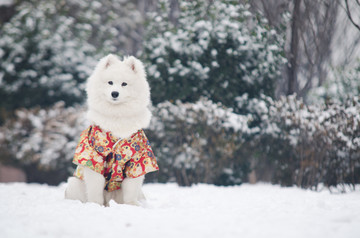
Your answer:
<point x="114" y="158"/>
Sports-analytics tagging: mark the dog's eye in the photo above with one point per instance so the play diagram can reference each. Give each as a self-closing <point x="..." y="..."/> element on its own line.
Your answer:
<point x="123" y="84"/>
<point x="110" y="82"/>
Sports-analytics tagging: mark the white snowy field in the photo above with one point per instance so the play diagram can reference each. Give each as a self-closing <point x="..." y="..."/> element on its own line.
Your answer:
<point x="262" y="210"/>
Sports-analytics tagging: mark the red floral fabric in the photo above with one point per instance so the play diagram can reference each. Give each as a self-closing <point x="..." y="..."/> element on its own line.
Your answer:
<point x="114" y="158"/>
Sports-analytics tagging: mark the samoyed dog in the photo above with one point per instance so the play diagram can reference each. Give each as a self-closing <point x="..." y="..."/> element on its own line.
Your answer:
<point x="113" y="154"/>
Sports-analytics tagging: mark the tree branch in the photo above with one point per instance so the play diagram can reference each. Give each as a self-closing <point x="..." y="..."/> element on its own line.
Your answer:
<point x="348" y="13"/>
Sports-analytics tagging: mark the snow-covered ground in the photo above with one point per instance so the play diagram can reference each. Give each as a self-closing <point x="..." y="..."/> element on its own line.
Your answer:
<point x="262" y="210"/>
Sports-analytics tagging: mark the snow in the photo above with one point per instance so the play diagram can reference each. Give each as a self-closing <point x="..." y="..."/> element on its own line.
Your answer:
<point x="260" y="210"/>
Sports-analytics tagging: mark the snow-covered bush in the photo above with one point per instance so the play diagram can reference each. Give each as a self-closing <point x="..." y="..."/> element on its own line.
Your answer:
<point x="306" y="144"/>
<point x="42" y="142"/>
<point x="200" y="142"/>
<point x="285" y="141"/>
<point x="48" y="48"/>
<point x="216" y="49"/>
<point x="193" y="142"/>
<point x="42" y="59"/>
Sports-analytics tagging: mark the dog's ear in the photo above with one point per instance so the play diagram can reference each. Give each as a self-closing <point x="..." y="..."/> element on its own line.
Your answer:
<point x="135" y="65"/>
<point x="110" y="59"/>
<point x="107" y="61"/>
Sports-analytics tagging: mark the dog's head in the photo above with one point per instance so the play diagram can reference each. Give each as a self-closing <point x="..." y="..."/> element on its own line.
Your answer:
<point x="118" y="83"/>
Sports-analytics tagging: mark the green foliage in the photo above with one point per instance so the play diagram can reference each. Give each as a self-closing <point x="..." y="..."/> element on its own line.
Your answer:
<point x="217" y="50"/>
<point x="49" y="48"/>
<point x="42" y="59"/>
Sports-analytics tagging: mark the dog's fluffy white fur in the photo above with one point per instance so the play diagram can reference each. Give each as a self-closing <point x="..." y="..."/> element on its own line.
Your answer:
<point x="122" y="115"/>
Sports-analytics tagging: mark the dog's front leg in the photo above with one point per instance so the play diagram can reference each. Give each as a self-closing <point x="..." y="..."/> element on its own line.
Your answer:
<point x="94" y="184"/>
<point x="131" y="190"/>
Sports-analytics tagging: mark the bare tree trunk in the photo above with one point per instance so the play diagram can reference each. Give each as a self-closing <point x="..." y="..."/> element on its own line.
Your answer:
<point x="294" y="48"/>
<point x="309" y="43"/>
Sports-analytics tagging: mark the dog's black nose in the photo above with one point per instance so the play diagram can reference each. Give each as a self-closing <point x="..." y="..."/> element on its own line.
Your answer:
<point x="115" y="94"/>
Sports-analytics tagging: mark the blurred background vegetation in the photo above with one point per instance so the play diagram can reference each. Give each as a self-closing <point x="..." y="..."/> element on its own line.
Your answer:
<point x="242" y="91"/>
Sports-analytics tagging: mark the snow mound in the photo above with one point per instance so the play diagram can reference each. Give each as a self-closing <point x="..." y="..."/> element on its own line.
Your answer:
<point x="262" y="210"/>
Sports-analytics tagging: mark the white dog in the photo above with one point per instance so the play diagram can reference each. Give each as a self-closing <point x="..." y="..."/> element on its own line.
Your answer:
<point x="113" y="154"/>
